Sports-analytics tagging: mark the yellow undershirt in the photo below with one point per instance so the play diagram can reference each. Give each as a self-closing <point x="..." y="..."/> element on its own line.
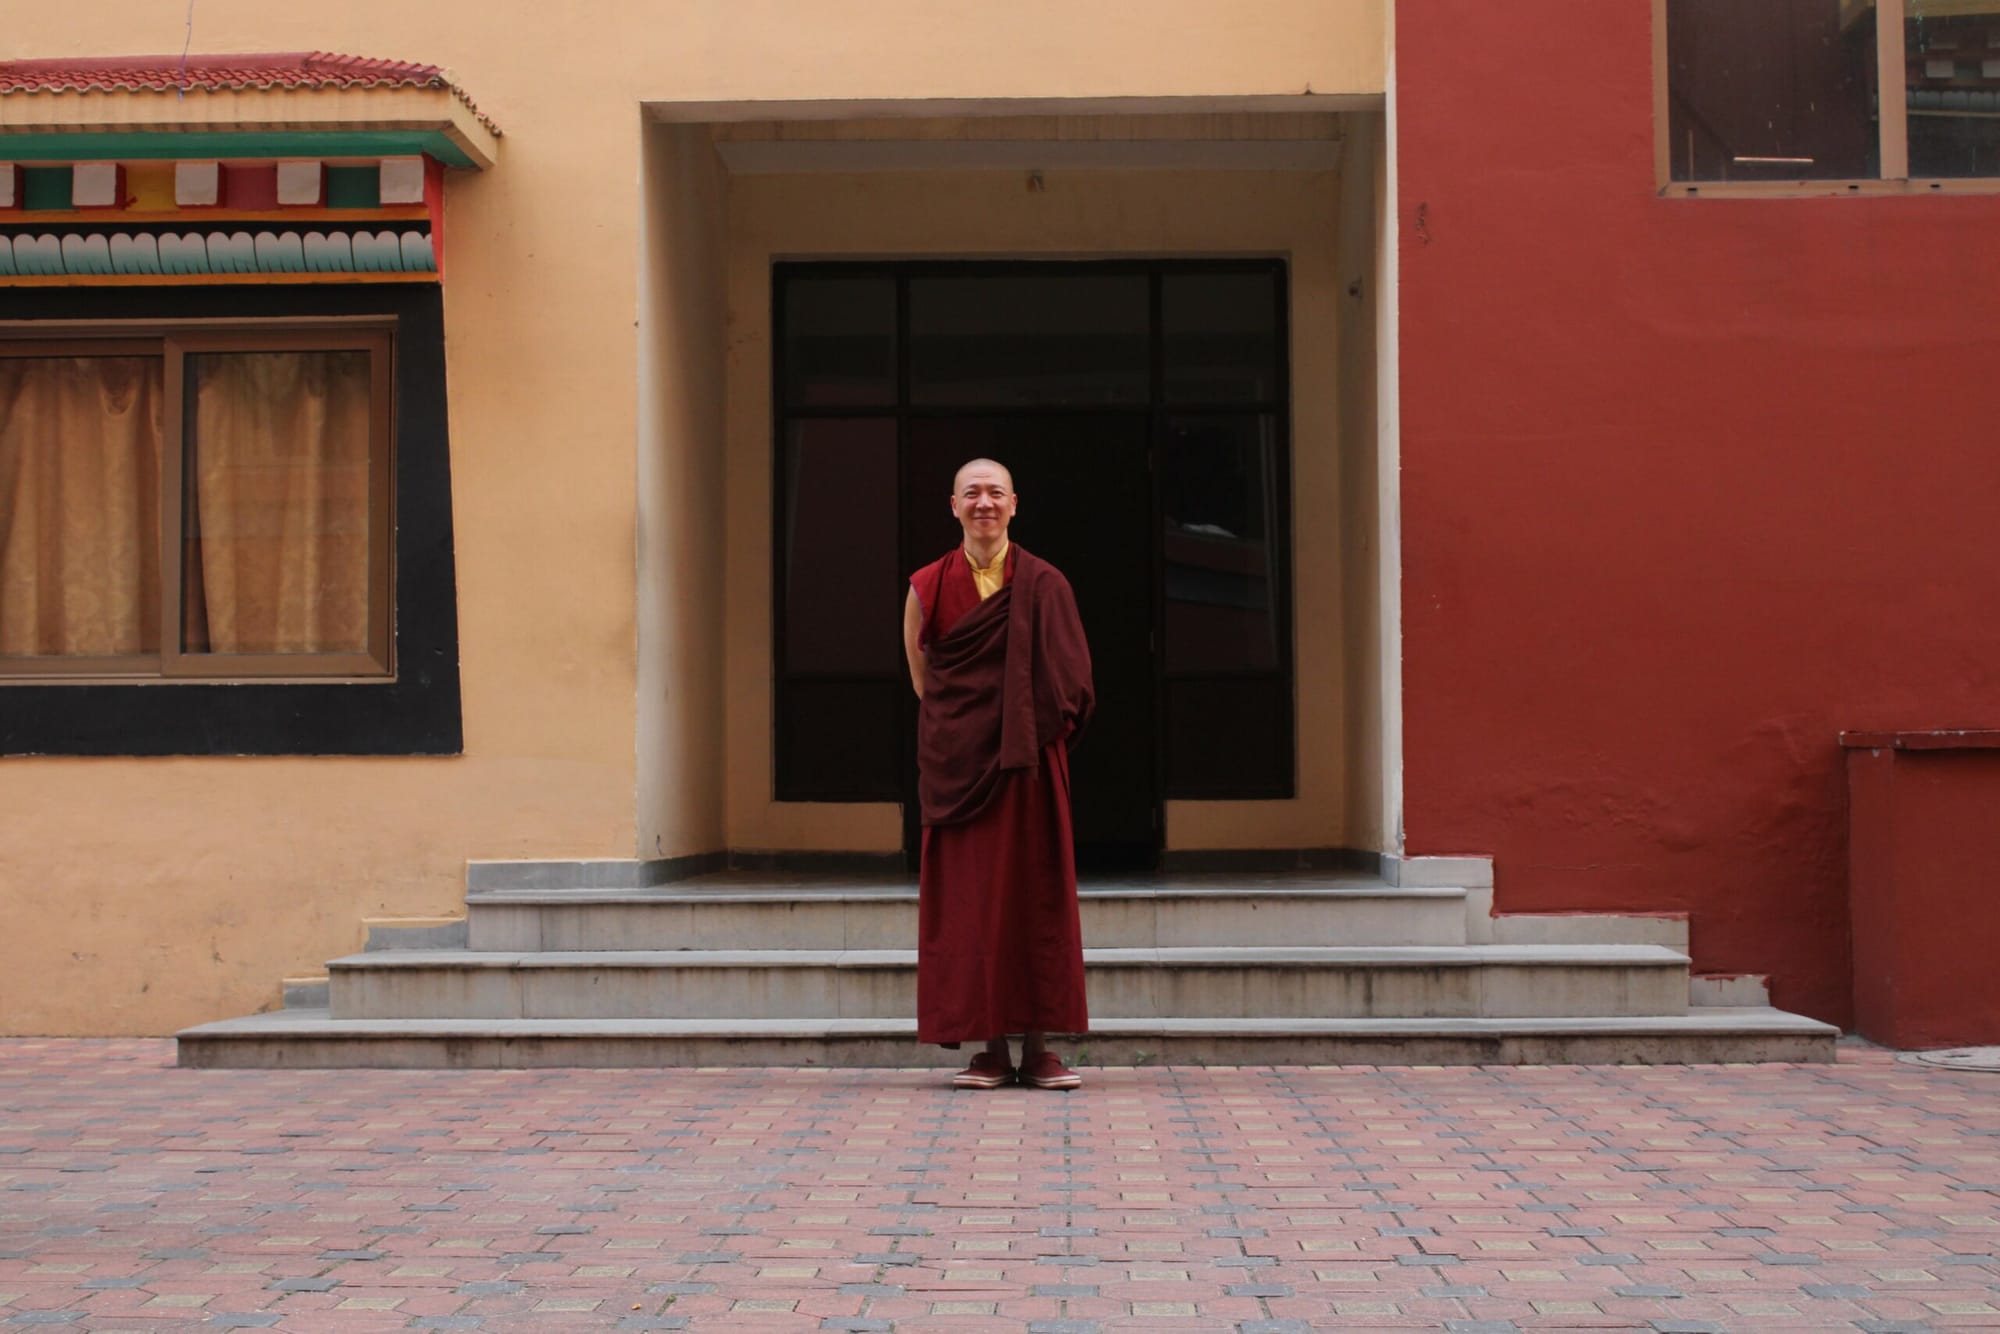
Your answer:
<point x="989" y="579"/>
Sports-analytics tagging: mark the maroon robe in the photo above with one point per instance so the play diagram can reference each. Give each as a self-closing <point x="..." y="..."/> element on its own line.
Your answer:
<point x="1006" y="686"/>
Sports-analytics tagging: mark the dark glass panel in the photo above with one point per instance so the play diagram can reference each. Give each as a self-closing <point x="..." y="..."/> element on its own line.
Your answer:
<point x="1221" y="336"/>
<point x="839" y="741"/>
<point x="840" y="341"/>
<point x="1953" y="90"/>
<point x="1218" y="499"/>
<point x="1004" y="340"/>
<point x="1229" y="737"/>
<point x="843" y="600"/>
<point x="1771" y="90"/>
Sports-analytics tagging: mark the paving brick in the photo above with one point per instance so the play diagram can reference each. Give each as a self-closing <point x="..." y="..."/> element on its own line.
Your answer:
<point x="1268" y="1199"/>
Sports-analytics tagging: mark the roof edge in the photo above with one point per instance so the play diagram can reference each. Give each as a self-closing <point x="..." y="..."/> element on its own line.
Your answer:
<point x="263" y="71"/>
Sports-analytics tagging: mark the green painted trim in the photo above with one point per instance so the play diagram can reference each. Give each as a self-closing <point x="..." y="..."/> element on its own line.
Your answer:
<point x="354" y="187"/>
<point x="45" y="188"/>
<point x="177" y="145"/>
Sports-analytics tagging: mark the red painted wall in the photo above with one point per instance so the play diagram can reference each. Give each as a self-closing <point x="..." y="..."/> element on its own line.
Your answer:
<point x="1688" y="487"/>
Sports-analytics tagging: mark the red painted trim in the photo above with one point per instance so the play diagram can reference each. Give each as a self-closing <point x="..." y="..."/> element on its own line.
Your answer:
<point x="434" y="204"/>
<point x="250" y="187"/>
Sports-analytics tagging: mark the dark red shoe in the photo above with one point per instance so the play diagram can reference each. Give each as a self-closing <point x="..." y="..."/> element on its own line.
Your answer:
<point x="987" y="1071"/>
<point x="1047" y="1071"/>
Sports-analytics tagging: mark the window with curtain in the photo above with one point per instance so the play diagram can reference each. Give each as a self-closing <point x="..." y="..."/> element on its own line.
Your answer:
<point x="199" y="503"/>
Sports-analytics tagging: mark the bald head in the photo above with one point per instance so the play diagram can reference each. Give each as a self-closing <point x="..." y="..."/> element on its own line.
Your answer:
<point x="958" y="479"/>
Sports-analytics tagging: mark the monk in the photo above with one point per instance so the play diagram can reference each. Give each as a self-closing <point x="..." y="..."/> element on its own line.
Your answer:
<point x="1002" y="673"/>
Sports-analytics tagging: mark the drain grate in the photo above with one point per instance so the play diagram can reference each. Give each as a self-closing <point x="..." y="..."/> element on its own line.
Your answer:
<point x="1958" y="1058"/>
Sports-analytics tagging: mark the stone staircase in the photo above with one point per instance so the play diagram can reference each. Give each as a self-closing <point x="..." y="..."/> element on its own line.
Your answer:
<point x="749" y="969"/>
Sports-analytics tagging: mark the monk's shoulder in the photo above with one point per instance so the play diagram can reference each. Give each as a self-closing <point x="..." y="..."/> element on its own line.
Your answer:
<point x="931" y="569"/>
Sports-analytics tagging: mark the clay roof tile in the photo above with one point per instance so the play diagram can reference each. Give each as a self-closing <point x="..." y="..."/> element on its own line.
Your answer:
<point x="215" y="73"/>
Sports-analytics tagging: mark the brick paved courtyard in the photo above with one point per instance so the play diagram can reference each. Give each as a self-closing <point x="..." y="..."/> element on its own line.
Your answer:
<point x="134" y="1195"/>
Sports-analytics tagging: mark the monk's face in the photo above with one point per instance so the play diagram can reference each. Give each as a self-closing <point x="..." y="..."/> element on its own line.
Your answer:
<point x="983" y="500"/>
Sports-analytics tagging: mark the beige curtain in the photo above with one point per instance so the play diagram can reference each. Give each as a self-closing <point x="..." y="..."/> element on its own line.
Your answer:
<point x="277" y="549"/>
<point x="79" y="506"/>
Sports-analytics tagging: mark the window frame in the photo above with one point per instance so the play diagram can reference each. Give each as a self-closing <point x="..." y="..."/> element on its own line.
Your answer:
<point x="1892" y="127"/>
<point x="173" y="341"/>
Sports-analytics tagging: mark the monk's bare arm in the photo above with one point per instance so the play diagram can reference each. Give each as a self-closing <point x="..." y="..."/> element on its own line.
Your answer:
<point x="913" y="624"/>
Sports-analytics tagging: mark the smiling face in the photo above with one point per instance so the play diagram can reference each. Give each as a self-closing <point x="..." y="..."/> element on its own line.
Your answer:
<point x="983" y="500"/>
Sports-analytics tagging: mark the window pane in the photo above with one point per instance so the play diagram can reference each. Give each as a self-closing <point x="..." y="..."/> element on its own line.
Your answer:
<point x="1221" y="334"/>
<point x="80" y="506"/>
<point x="275" y="531"/>
<point x="1953" y="77"/>
<point x="1763" y="90"/>
<point x="840" y="341"/>
<point x="843" y="594"/>
<point x="1219" y="502"/>
<point x="1005" y="339"/>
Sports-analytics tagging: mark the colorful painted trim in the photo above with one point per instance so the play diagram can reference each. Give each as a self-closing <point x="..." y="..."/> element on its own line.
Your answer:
<point x="167" y="144"/>
<point x="139" y="254"/>
<point x="252" y="187"/>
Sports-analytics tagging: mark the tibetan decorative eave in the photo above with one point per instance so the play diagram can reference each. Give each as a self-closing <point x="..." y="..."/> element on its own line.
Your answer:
<point x="278" y="105"/>
<point x="289" y="167"/>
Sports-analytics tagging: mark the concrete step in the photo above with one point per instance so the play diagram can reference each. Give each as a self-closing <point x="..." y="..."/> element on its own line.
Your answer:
<point x="747" y="912"/>
<point x="1211" y="982"/>
<point x="312" y="1039"/>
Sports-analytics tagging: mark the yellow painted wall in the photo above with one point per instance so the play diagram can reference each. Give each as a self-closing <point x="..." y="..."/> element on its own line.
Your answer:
<point x="143" y="895"/>
<point x="1098" y="213"/>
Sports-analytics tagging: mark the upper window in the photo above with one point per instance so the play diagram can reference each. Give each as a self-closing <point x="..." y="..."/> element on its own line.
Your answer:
<point x="195" y="502"/>
<point x="1830" y="90"/>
